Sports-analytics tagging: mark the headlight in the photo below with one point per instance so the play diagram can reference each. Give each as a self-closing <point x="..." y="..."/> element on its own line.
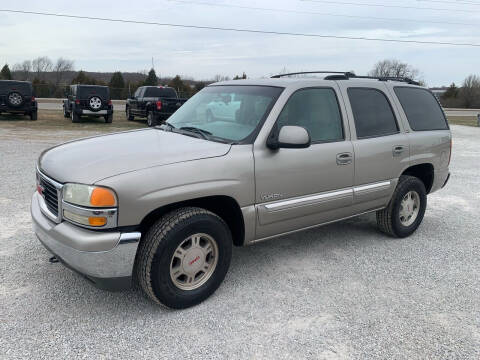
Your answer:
<point x="87" y="195"/>
<point x="89" y="206"/>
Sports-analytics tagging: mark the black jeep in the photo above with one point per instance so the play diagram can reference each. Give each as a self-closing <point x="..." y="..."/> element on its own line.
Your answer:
<point x="16" y="97"/>
<point x="90" y="100"/>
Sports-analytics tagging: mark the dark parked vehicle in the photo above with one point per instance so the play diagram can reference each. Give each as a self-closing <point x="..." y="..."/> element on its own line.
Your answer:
<point x="90" y="100"/>
<point x="16" y="97"/>
<point x="156" y="103"/>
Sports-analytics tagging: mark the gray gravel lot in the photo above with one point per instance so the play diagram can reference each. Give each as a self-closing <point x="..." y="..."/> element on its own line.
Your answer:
<point x="336" y="292"/>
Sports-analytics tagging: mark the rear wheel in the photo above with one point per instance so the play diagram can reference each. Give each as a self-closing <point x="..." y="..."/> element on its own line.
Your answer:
<point x="75" y="117"/>
<point x="33" y="115"/>
<point x="184" y="257"/>
<point x="129" y="115"/>
<point x="108" y="118"/>
<point x="406" y="209"/>
<point x="151" y="119"/>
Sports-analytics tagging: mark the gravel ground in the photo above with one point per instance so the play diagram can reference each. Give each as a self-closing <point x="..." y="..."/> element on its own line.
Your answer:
<point x="336" y="292"/>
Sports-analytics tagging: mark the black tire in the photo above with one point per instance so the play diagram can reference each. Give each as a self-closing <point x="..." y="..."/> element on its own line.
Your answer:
<point x="66" y="114"/>
<point x="15" y="99"/>
<point x="129" y="115"/>
<point x="159" y="244"/>
<point x="75" y="117"/>
<point x="151" y="119"/>
<point x="108" y="118"/>
<point x="33" y="115"/>
<point x="388" y="219"/>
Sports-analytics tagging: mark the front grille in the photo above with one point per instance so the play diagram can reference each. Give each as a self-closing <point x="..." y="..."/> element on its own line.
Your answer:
<point x="50" y="195"/>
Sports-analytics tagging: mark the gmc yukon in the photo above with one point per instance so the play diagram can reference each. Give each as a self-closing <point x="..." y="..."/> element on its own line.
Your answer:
<point x="289" y="154"/>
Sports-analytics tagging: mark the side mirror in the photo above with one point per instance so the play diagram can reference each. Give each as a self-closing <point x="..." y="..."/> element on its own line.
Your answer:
<point x="290" y="137"/>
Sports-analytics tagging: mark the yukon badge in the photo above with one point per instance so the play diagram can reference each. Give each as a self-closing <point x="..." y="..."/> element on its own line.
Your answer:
<point x="271" y="197"/>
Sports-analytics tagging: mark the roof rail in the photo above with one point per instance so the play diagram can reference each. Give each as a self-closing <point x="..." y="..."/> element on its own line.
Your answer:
<point x="346" y="75"/>
<point x="312" y="72"/>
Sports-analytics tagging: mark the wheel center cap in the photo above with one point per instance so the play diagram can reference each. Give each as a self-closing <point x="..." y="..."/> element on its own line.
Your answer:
<point x="193" y="260"/>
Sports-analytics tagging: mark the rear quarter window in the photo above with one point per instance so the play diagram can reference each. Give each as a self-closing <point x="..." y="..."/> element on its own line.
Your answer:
<point x="421" y="108"/>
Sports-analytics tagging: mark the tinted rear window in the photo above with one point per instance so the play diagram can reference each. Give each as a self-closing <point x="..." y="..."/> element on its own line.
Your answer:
<point x="7" y="87"/>
<point x="422" y="109"/>
<point x="372" y="113"/>
<point x="160" y="92"/>
<point x="85" y="92"/>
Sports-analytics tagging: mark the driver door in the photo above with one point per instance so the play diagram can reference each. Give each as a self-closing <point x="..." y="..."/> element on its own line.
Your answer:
<point x="298" y="188"/>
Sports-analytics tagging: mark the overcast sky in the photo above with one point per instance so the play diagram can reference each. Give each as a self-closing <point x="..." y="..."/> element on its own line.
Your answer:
<point x="103" y="46"/>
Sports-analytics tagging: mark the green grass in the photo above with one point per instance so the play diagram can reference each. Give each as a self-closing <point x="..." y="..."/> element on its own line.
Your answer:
<point x="463" y="120"/>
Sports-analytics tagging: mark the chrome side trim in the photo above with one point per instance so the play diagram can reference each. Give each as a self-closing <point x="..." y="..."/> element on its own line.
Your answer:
<point x="307" y="199"/>
<point x="311" y="227"/>
<point x="127" y="238"/>
<point x="375" y="186"/>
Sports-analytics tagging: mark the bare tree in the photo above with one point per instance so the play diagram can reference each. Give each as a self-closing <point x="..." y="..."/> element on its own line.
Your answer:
<point x="61" y="67"/>
<point x="394" y="68"/>
<point x="470" y="91"/>
<point x="41" y="65"/>
<point x="219" y="77"/>
<point x="22" y="71"/>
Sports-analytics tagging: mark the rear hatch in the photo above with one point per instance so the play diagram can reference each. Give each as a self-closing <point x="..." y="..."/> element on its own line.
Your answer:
<point x="23" y="88"/>
<point x="86" y="92"/>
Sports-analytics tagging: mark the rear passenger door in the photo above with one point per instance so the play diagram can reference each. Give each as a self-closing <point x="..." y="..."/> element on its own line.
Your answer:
<point x="380" y="145"/>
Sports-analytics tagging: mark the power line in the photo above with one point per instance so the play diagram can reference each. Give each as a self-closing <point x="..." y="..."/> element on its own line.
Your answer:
<point x="321" y="13"/>
<point x="388" y="6"/>
<point x="253" y="31"/>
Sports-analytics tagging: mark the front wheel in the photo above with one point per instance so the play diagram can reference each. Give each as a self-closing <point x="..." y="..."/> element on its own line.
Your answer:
<point x="406" y="209"/>
<point x="184" y="257"/>
<point x="66" y="114"/>
<point x="129" y="115"/>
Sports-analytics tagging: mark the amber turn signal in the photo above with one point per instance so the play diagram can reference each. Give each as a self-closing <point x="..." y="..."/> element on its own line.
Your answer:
<point x="97" y="221"/>
<point x="102" y="197"/>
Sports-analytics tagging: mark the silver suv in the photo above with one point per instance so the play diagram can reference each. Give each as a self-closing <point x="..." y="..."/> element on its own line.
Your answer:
<point x="240" y="162"/>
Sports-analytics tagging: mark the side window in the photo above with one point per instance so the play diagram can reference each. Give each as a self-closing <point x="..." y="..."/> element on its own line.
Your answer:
<point x="317" y="110"/>
<point x="372" y="113"/>
<point x="137" y="93"/>
<point x="422" y="109"/>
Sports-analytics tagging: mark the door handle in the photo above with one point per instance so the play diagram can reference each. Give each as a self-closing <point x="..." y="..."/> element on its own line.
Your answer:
<point x="398" y="150"/>
<point x="344" y="158"/>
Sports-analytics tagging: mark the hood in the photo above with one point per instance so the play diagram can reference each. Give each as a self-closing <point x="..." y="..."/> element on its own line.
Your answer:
<point x="92" y="159"/>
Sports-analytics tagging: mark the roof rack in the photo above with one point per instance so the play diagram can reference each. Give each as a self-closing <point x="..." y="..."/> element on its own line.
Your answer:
<point x="346" y="75"/>
<point x="311" y="72"/>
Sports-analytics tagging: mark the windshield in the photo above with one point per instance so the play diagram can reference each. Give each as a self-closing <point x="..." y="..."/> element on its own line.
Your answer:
<point x="228" y="112"/>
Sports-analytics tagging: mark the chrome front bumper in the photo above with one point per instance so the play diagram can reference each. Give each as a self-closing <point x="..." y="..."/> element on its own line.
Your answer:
<point x="106" y="258"/>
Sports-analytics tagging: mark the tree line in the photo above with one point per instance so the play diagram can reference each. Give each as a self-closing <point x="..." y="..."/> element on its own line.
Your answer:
<point x="52" y="78"/>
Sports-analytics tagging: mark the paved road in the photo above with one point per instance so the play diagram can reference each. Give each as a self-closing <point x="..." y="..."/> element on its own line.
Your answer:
<point x="343" y="291"/>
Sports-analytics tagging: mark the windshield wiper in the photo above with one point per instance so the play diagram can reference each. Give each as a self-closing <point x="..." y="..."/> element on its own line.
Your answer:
<point x="204" y="133"/>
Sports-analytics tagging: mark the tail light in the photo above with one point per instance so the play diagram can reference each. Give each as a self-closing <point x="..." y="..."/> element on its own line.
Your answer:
<point x="77" y="102"/>
<point x="109" y="102"/>
<point x="159" y="105"/>
<point x="33" y="99"/>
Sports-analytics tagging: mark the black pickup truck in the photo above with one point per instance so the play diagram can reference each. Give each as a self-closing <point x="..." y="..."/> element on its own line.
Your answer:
<point x="156" y="103"/>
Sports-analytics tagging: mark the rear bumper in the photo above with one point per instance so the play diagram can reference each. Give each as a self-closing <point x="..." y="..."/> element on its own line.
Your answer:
<point x="102" y="112"/>
<point x="24" y="109"/>
<point x="111" y="268"/>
